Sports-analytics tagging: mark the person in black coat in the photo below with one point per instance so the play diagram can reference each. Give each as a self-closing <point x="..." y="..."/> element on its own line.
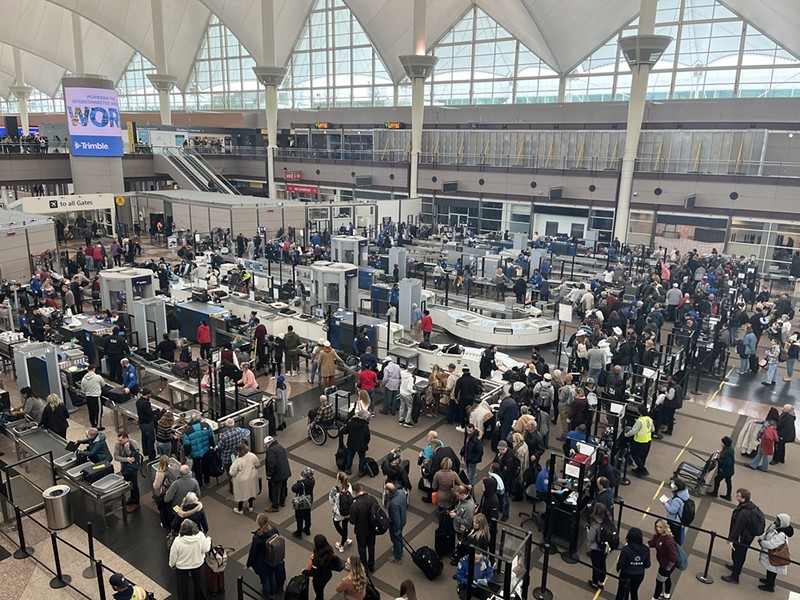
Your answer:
<point x="488" y="363"/>
<point x="358" y="437"/>
<point x="786" y="434"/>
<point x="395" y="471"/>
<point x="55" y="416"/>
<point x="520" y="289"/>
<point x="490" y="506"/>
<point x="362" y="526"/>
<point x="302" y="515"/>
<point x="278" y="473"/>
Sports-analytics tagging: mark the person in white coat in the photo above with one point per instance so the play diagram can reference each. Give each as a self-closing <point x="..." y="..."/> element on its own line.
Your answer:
<point x="406" y="397"/>
<point x="776" y="536"/>
<point x="244" y="475"/>
<point x="187" y="556"/>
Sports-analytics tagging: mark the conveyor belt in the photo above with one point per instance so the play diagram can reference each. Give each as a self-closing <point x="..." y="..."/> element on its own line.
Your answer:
<point x="41" y="441"/>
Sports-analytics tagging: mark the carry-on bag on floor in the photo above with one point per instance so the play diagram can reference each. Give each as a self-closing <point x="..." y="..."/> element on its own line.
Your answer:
<point x="444" y="541"/>
<point x="341" y="455"/>
<point x="297" y="588"/>
<point x="371" y="466"/>
<point x="215" y="582"/>
<point x="426" y="559"/>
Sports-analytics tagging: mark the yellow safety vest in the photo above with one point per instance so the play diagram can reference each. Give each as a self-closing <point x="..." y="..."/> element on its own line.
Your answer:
<point x="645" y="433"/>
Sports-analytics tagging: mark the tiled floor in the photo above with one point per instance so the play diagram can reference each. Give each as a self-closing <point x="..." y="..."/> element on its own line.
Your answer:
<point x="708" y="415"/>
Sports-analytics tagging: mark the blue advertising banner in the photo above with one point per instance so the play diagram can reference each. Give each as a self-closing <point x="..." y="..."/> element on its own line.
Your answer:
<point x="94" y="122"/>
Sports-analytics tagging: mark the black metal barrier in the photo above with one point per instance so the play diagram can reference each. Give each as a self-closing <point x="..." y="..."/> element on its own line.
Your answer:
<point x="245" y="591"/>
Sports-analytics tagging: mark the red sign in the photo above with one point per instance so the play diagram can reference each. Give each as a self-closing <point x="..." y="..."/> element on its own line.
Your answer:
<point x="302" y="189"/>
<point x="292" y="175"/>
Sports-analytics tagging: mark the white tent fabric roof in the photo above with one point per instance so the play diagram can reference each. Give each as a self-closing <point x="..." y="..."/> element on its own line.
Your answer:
<point x="561" y="33"/>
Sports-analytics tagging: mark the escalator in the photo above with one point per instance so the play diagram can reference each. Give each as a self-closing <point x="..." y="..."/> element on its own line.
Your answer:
<point x="191" y="172"/>
<point x="200" y="164"/>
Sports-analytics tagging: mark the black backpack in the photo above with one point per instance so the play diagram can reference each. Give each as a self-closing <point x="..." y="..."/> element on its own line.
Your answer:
<point x="608" y="534"/>
<point x="186" y="354"/>
<point x="345" y="501"/>
<point x="689" y="510"/>
<point x="378" y="519"/>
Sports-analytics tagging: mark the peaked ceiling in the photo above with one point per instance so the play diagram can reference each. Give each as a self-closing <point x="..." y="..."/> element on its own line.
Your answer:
<point x="561" y="33"/>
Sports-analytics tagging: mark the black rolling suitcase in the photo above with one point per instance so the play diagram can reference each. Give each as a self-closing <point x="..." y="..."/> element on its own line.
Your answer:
<point x="445" y="536"/>
<point x="426" y="559"/>
<point x="371" y="466"/>
<point x="341" y="455"/>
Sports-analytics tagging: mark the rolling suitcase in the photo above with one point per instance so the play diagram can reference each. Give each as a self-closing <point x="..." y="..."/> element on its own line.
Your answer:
<point x="297" y="588"/>
<point x="445" y="536"/>
<point x="341" y="455"/>
<point x="215" y="582"/>
<point x="426" y="559"/>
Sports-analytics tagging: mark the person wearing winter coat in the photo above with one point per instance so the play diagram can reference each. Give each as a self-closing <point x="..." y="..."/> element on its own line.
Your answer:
<point x="302" y="515"/>
<point x="490" y="505"/>
<point x="726" y="465"/>
<point x="786" y="434"/>
<point x="198" y="439"/>
<point x="187" y="556"/>
<point x="481" y="575"/>
<point x="666" y="557"/>
<point x="776" y="535"/>
<point x="397" y="508"/>
<point x="392" y="374"/>
<point x="192" y="509"/>
<point x="358" y="438"/>
<point x="97" y="449"/>
<point x="463" y="511"/>
<point x="278" y="473"/>
<point x="766" y="446"/>
<point x="395" y="472"/>
<point x="244" y="475"/>
<point x="747" y="521"/>
<point x="257" y="557"/>
<point x="674" y="507"/>
<point x="597" y="549"/>
<point x="472" y="451"/>
<point x="633" y="561"/>
<point x="444" y="482"/>
<point x="321" y="565"/>
<point x="327" y="360"/>
<point x="340" y="511"/>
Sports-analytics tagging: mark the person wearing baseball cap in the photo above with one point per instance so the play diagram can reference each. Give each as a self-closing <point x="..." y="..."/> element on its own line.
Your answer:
<point x="278" y="471"/>
<point x="124" y="589"/>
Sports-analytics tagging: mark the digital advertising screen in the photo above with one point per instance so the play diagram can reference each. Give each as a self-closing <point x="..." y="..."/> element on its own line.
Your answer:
<point x="93" y="121"/>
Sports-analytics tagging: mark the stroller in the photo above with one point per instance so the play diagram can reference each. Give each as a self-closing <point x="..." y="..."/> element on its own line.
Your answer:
<point x="695" y="476"/>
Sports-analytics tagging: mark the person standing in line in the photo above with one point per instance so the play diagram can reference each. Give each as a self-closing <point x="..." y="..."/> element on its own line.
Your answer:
<point x="354" y="584"/>
<point x="341" y="501"/>
<point x="303" y="490"/>
<point x="130" y="377"/>
<point x="792" y="354"/>
<point x="291" y="344"/>
<point x="776" y="536"/>
<point x="674" y="507"/>
<point x="198" y="439"/>
<point x="766" y="446"/>
<point x="147" y="423"/>
<point x="278" y="471"/>
<point x="244" y="476"/>
<point x="449" y="394"/>
<point x="397" y="504"/>
<point x="666" y="557"/>
<point x="634" y="559"/>
<point x="416" y="321"/>
<point x="127" y="453"/>
<point x="427" y="327"/>
<point x="327" y="360"/>
<point x="367" y="382"/>
<point x="321" y="565"/>
<point x="204" y="339"/>
<point x="257" y="557"/>
<point x="55" y="416"/>
<point x="406" y="397"/>
<point x="786" y="434"/>
<point x="472" y="451"/>
<point x="315" y="372"/>
<point x="407" y="589"/>
<point x="391" y="386"/>
<point x="465" y="390"/>
<point x="187" y="556"/>
<point x="360" y="519"/>
<point x="358" y="438"/>
<point x="726" y="465"/>
<point x="747" y="522"/>
<point x="749" y="348"/>
<point x="772" y="355"/>
<point x="597" y="549"/>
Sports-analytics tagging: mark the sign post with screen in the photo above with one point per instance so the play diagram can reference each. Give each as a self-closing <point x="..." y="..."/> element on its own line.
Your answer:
<point x="93" y="120"/>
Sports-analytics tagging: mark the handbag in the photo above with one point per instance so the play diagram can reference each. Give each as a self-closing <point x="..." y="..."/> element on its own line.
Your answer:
<point x="780" y="557"/>
<point x="302" y="501"/>
<point x="260" y="486"/>
<point x="131" y="469"/>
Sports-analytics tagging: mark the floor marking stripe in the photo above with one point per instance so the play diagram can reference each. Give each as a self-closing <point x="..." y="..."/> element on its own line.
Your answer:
<point x="719" y="389"/>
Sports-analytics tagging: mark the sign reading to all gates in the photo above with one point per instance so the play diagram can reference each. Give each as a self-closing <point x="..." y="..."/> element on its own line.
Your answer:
<point x="94" y="122"/>
<point x="48" y="205"/>
<point x="302" y="189"/>
<point x="292" y="175"/>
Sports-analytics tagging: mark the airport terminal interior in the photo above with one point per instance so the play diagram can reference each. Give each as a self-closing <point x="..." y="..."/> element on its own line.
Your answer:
<point x="388" y="299"/>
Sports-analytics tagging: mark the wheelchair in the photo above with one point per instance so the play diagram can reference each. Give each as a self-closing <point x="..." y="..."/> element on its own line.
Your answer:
<point x="695" y="476"/>
<point x="320" y="432"/>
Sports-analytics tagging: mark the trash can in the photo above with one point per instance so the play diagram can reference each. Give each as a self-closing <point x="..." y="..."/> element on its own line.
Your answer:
<point x="259" y="428"/>
<point x="57" y="507"/>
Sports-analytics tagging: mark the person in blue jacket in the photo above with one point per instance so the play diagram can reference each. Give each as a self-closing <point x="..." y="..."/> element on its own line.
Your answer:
<point x="482" y="574"/>
<point x="130" y="377"/>
<point x="198" y="440"/>
<point x="97" y="450"/>
<point x="674" y="507"/>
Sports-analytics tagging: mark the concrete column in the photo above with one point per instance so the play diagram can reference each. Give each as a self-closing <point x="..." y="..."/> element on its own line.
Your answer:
<point x="418" y="67"/>
<point x="77" y="43"/>
<point x="642" y="52"/>
<point x="161" y="81"/>
<point x="21" y="92"/>
<point x="271" y="77"/>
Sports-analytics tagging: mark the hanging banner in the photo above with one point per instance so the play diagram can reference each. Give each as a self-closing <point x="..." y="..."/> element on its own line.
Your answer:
<point x="93" y="121"/>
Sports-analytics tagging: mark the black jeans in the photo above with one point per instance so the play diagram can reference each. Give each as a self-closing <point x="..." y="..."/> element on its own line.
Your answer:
<point x="639" y="452"/>
<point x="303" y="519"/>
<point x="666" y="584"/>
<point x="728" y="484"/>
<point x="780" y="452"/>
<point x="738" y="556"/>
<point x="188" y="578"/>
<point x="277" y="493"/>
<point x="201" y="468"/>
<point x="205" y="351"/>
<point x="366" y="550"/>
<point x="598" y="558"/>
<point x="319" y="582"/>
<point x="771" y="579"/>
<point x="341" y="529"/>
<point x="629" y="586"/>
<point x="668" y="418"/>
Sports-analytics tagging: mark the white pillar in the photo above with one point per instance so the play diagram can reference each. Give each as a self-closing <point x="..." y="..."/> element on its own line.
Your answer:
<point x="21" y="92"/>
<point x="418" y="67"/>
<point x="77" y="43"/>
<point x="642" y="52"/>
<point x="271" y="78"/>
<point x="161" y="81"/>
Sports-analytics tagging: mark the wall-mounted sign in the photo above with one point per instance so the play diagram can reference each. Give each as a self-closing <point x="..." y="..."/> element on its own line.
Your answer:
<point x="323" y="125"/>
<point x="393" y="125"/>
<point x="93" y="121"/>
<point x="47" y="205"/>
<point x="292" y="175"/>
<point x="302" y="189"/>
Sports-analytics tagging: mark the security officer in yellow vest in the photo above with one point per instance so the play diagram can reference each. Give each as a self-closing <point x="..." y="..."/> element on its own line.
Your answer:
<point x="642" y="433"/>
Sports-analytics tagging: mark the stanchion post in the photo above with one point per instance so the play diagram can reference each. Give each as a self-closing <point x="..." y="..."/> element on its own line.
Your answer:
<point x="542" y="593"/>
<point x="239" y="588"/>
<point x="101" y="586"/>
<point x="89" y="572"/>
<point x="24" y="551"/>
<point x="60" y="580"/>
<point x="619" y="516"/>
<point x="704" y="577"/>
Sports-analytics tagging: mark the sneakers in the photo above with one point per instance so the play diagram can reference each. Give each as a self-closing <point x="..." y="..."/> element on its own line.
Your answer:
<point x="339" y="547"/>
<point x="730" y="579"/>
<point x="348" y="542"/>
<point x="396" y="561"/>
<point x="132" y="507"/>
<point x="406" y="424"/>
<point x="459" y="429"/>
<point x="237" y="511"/>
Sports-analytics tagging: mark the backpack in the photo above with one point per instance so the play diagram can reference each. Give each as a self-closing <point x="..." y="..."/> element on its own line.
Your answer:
<point x="790" y="312"/>
<point x="378" y="519"/>
<point x="688" y="512"/>
<point x="186" y="354"/>
<point x="740" y="348"/>
<point x="608" y="535"/>
<point x="276" y="550"/>
<point x="345" y="502"/>
<point x="544" y="397"/>
<point x="756" y="524"/>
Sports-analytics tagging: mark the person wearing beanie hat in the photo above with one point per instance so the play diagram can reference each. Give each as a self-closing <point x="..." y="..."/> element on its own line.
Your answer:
<point x="303" y="491"/>
<point x="726" y="464"/>
<point x="774" y="538"/>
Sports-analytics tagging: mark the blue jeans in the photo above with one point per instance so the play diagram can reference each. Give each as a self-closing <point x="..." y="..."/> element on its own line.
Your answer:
<point x="397" y="543"/>
<point x="371" y="400"/>
<point x="506" y="504"/>
<point x="790" y="366"/>
<point x="389" y="402"/>
<point x="471" y="468"/>
<point x="351" y="454"/>
<point x="772" y="372"/>
<point x="268" y="585"/>
<point x="314" y="371"/>
<point x="744" y="365"/>
<point x="595" y="374"/>
<point x="164" y="448"/>
<point x="148" y="432"/>
<point x="761" y="461"/>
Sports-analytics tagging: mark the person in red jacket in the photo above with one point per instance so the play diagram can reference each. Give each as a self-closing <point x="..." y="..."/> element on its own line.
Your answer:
<point x="204" y="339"/>
<point x="367" y="381"/>
<point x="97" y="256"/>
<point x="427" y="326"/>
